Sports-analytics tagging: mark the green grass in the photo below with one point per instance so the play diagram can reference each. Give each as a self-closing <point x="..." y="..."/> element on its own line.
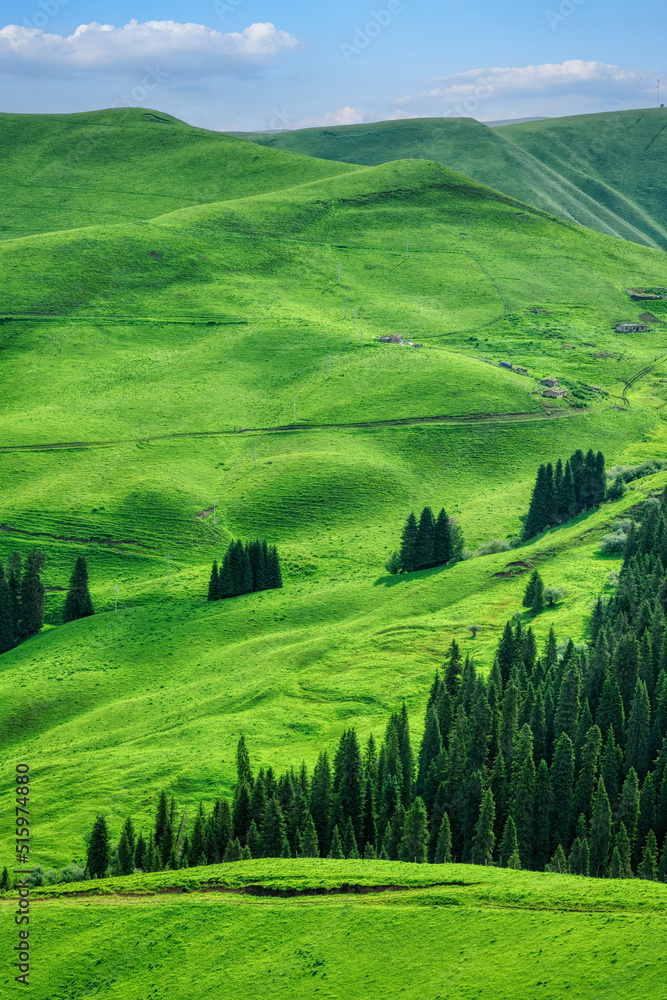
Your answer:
<point x="159" y="340"/>
<point x="598" y="170"/>
<point x="497" y="932"/>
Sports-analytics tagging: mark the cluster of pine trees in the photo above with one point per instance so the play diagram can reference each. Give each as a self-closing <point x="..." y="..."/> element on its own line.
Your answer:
<point x="244" y="569"/>
<point x="555" y="761"/>
<point x="566" y="491"/>
<point x="21" y="598"/>
<point x="431" y="542"/>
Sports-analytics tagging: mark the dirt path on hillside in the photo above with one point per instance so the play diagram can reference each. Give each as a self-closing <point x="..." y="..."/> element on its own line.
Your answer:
<point x="454" y="420"/>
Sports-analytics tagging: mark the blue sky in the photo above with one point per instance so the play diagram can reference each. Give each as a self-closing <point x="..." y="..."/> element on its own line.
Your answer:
<point x="242" y="64"/>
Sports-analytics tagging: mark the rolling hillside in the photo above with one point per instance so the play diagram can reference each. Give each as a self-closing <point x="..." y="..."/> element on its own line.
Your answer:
<point x="602" y="171"/>
<point x="189" y="322"/>
<point x="147" y="350"/>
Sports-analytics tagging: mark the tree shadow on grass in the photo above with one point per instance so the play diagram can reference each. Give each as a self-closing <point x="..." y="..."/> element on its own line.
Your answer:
<point x="390" y="580"/>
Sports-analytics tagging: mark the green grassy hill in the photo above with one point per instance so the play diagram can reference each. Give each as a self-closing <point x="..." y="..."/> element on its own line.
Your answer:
<point x="354" y="929"/>
<point x="146" y="351"/>
<point x="600" y="170"/>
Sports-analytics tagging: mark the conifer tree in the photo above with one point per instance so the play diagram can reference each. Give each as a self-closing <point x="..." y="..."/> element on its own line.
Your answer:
<point x="453" y="669"/>
<point x="225" y="582"/>
<point x="567" y="504"/>
<point x="161" y="818"/>
<point x="14" y="577"/>
<point x="508" y="844"/>
<point x="558" y="862"/>
<point x="273" y="835"/>
<point x="273" y="570"/>
<point x="442" y="544"/>
<point x="588" y="773"/>
<point x="569" y="699"/>
<point x="140" y="853"/>
<point x="543" y="813"/>
<point x="336" y="845"/>
<point x="349" y="840"/>
<point x="370" y="854"/>
<point x="78" y="603"/>
<point x="648" y="867"/>
<point x="600" y="832"/>
<point x="506" y="653"/>
<point x="443" y="853"/>
<point x="243" y="768"/>
<point x="538" y="511"/>
<point x="309" y="845"/>
<point x="514" y="860"/>
<point x="320" y="800"/>
<point x="662" y="865"/>
<point x="7" y="623"/>
<point x="408" y="551"/>
<point x="628" y="808"/>
<point x="638" y="749"/>
<point x="537" y="604"/>
<point x="198" y="833"/>
<point x="125" y="859"/>
<point x="625" y="667"/>
<point x="622" y="844"/>
<point x="484" y="839"/>
<point x="425" y="550"/>
<point x="509" y="721"/>
<point x="529" y="594"/>
<point x="610" y="710"/>
<point x="5" y="882"/>
<point x="97" y="861"/>
<point x="32" y="595"/>
<point x="562" y="785"/>
<point x="615" y="865"/>
<point x="213" y="583"/>
<point x="233" y="851"/>
<point x="413" y="843"/>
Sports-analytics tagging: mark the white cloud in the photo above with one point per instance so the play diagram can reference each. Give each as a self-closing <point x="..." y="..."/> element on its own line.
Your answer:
<point x="346" y="116"/>
<point x="571" y="87"/>
<point x="183" y="50"/>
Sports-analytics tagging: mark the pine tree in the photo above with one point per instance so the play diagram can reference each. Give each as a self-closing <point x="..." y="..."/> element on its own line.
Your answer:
<point x="538" y="596"/>
<point x="508" y="844"/>
<point x="529" y="595"/>
<point x="309" y="844"/>
<point x="615" y="865"/>
<point x="622" y="845"/>
<point x="14" y="578"/>
<point x="506" y="653"/>
<point x="538" y="511"/>
<point x="567" y="712"/>
<point x="662" y="866"/>
<point x="443" y="853"/>
<point x="5" y="882"/>
<point x="562" y="785"/>
<point x="7" y="623"/>
<point x="350" y="845"/>
<point x="628" y="808"/>
<point x="648" y="868"/>
<point x="225" y="582"/>
<point x="213" y="583"/>
<point x="125" y="859"/>
<point x="78" y="603"/>
<point x="243" y="768"/>
<point x="273" y="836"/>
<point x="453" y="669"/>
<point x="161" y="818"/>
<point x="413" y="843"/>
<point x="140" y="853"/>
<point x="98" y="858"/>
<point x="625" y="668"/>
<point x="408" y="552"/>
<point x="336" y="845"/>
<point x="32" y="595"/>
<point x="320" y="800"/>
<point x="425" y="551"/>
<point x="567" y="504"/>
<point x="233" y="851"/>
<point x="600" y="832"/>
<point x="273" y="570"/>
<point x="484" y="839"/>
<point x="610" y="710"/>
<point x="543" y="813"/>
<point x="442" y="544"/>
<point x="558" y="862"/>
<point x="638" y="749"/>
<point x="588" y="773"/>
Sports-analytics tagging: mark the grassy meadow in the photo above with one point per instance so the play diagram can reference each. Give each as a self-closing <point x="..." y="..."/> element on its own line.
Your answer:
<point x="597" y="170"/>
<point x="440" y="931"/>
<point x="172" y="347"/>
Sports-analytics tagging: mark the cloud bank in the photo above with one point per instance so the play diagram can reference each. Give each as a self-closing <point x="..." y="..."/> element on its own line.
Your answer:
<point x="187" y="50"/>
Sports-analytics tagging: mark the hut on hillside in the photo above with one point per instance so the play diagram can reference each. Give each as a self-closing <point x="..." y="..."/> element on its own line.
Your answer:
<point x="558" y="393"/>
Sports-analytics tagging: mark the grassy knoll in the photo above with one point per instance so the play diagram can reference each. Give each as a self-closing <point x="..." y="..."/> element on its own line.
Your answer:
<point x="145" y="355"/>
<point x="517" y="935"/>
<point x="591" y="169"/>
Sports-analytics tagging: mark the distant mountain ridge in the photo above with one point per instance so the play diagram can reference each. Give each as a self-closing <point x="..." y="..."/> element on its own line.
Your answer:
<point x="605" y="171"/>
